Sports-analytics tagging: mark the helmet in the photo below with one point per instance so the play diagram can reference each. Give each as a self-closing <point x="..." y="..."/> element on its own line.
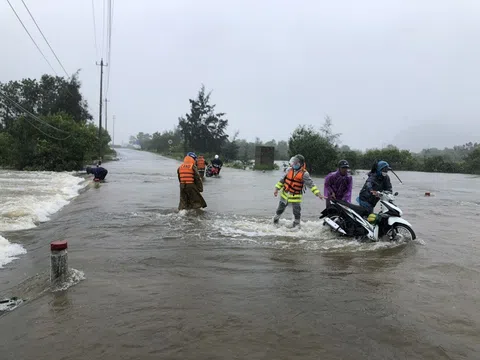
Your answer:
<point x="297" y="160"/>
<point x="343" y="164"/>
<point x="192" y="155"/>
<point x="300" y="158"/>
<point x="382" y="165"/>
<point x="216" y="156"/>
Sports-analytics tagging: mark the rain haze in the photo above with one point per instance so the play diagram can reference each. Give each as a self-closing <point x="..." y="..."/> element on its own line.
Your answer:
<point x="401" y="72"/>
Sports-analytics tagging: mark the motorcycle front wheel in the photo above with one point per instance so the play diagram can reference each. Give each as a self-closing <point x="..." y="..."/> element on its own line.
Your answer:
<point x="401" y="231"/>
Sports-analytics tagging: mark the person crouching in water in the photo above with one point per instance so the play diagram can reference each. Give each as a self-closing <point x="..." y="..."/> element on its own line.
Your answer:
<point x="191" y="185"/>
<point x="99" y="173"/>
<point x="201" y="164"/>
<point x="338" y="184"/>
<point x="291" y="186"/>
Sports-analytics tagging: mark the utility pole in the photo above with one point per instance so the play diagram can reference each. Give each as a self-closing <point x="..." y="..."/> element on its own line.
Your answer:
<point x="113" y="134"/>
<point x="100" y="110"/>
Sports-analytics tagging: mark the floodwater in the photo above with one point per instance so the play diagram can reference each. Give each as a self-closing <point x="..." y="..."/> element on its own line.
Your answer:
<point x="224" y="283"/>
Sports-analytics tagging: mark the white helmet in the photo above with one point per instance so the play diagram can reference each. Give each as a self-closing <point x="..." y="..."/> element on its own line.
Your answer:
<point x="216" y="156"/>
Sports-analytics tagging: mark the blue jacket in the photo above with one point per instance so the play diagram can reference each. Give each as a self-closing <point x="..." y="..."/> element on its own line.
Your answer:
<point x="374" y="183"/>
<point x="99" y="172"/>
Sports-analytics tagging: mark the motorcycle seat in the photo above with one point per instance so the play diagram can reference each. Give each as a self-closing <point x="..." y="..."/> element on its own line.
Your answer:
<point x="360" y="210"/>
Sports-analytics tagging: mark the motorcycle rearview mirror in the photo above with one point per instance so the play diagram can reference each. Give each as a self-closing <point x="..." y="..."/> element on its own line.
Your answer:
<point x="396" y="193"/>
<point x="396" y="176"/>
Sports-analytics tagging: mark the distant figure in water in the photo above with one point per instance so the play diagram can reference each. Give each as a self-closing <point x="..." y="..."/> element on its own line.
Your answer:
<point x="191" y="185"/>
<point x="98" y="173"/>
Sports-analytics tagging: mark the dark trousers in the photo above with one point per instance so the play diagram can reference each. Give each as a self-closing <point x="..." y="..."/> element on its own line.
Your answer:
<point x="297" y="210"/>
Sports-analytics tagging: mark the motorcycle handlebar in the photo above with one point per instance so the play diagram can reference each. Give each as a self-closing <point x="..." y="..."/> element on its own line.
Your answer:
<point x="387" y="193"/>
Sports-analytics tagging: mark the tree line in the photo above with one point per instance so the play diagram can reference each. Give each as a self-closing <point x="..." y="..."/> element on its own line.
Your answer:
<point x="45" y="124"/>
<point x="203" y="130"/>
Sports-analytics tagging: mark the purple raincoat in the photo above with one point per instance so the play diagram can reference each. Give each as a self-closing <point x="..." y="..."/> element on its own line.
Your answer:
<point x="340" y="185"/>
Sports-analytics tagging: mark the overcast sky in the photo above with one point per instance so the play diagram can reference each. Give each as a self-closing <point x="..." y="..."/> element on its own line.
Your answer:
<point x="401" y="71"/>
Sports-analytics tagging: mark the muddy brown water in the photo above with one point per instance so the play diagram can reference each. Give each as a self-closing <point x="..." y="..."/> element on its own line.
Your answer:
<point x="226" y="284"/>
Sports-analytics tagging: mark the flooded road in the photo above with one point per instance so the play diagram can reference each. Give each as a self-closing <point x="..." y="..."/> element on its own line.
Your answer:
<point x="226" y="284"/>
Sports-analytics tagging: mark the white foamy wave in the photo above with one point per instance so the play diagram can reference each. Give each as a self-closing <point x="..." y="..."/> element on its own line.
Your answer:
<point x="9" y="304"/>
<point x="32" y="197"/>
<point x="311" y="236"/>
<point x="9" y="251"/>
<point x="259" y="231"/>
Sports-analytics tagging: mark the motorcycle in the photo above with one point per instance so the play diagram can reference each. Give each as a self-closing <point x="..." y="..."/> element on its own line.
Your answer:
<point x="212" y="171"/>
<point x="355" y="221"/>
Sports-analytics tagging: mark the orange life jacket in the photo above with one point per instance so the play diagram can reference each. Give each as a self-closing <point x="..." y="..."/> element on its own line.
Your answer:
<point x="201" y="163"/>
<point x="186" y="171"/>
<point x="294" y="183"/>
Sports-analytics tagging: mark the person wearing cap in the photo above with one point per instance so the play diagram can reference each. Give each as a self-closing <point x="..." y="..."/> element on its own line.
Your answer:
<point x="338" y="184"/>
<point x="191" y="185"/>
<point x="378" y="180"/>
<point x="291" y="186"/>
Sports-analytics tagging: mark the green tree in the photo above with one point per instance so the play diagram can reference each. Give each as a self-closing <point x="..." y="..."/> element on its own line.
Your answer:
<point x="281" y="151"/>
<point x="327" y="132"/>
<point x="44" y="125"/>
<point x="354" y="157"/>
<point x="246" y="150"/>
<point x="203" y="129"/>
<point x="144" y="140"/>
<point x="166" y="142"/>
<point x="34" y="148"/>
<point x="472" y="163"/>
<point x="51" y="95"/>
<point x="318" y="151"/>
<point x="230" y="149"/>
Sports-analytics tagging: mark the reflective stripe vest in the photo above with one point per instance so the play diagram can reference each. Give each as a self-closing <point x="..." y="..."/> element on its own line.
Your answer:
<point x="292" y="187"/>
<point x="201" y="163"/>
<point x="294" y="182"/>
<point x="186" y="173"/>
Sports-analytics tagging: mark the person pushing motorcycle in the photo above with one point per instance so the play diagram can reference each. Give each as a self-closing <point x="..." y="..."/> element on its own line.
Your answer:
<point x="291" y="186"/>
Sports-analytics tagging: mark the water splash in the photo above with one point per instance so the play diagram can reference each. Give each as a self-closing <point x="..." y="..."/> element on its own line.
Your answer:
<point x="260" y="231"/>
<point x="9" y="251"/>
<point x="73" y="278"/>
<point x="9" y="304"/>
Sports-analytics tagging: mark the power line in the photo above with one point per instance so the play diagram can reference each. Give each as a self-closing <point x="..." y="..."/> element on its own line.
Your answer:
<point x="109" y="42"/>
<point x="20" y="107"/>
<point x="38" y="27"/>
<point x="18" y="17"/>
<point x="44" y="133"/>
<point x="94" y="27"/>
<point x="103" y="29"/>
<point x="21" y="22"/>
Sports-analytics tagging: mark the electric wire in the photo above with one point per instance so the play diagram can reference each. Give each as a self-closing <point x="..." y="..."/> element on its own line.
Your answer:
<point x="20" y="107"/>
<point x="38" y="48"/>
<point x="48" y="43"/>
